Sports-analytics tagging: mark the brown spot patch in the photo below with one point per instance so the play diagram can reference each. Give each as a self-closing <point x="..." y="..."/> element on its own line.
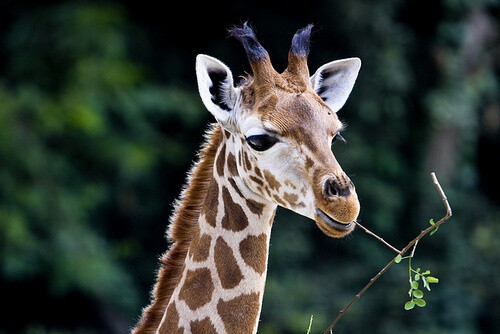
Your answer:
<point x="229" y="272"/>
<point x="171" y="323"/>
<point x="279" y="201"/>
<point x="309" y="163"/>
<point x="204" y="326"/>
<point x="211" y="203"/>
<point x="290" y="184"/>
<point x="234" y="217"/>
<point x="221" y="158"/>
<point x="232" y="182"/>
<point x="268" y="192"/>
<point x="199" y="248"/>
<point x="239" y="315"/>
<point x="231" y="164"/>
<point x="253" y="250"/>
<point x="256" y="180"/>
<point x="197" y="289"/>
<point x="248" y="164"/>
<point x="271" y="180"/>
<point x="195" y="239"/>
<point x="258" y="172"/>
<point x="254" y="206"/>
<point x="303" y="191"/>
<point x="291" y="198"/>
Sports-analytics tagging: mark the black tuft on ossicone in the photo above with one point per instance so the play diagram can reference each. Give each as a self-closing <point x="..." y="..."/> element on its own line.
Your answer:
<point x="300" y="41"/>
<point x="246" y="36"/>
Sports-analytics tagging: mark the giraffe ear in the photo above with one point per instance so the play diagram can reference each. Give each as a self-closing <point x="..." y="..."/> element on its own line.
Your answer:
<point x="334" y="81"/>
<point x="216" y="87"/>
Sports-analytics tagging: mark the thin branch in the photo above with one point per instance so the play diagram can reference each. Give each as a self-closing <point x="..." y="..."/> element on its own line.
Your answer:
<point x="402" y="252"/>
<point x="378" y="238"/>
<point x="443" y="196"/>
<point x="310" y="325"/>
<point x="413" y="250"/>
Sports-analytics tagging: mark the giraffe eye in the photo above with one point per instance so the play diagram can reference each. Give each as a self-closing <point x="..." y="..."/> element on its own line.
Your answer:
<point x="261" y="142"/>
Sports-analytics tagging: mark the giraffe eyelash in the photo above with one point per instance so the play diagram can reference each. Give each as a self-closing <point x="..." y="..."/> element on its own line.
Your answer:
<point x="339" y="137"/>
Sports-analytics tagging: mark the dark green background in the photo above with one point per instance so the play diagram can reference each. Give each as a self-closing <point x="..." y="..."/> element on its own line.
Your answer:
<point x="100" y="120"/>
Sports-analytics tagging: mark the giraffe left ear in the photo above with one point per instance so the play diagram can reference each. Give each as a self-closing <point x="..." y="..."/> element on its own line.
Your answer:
<point x="333" y="82"/>
<point x="216" y="87"/>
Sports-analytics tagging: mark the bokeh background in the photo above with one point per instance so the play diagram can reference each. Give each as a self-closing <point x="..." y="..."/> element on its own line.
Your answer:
<point x="100" y="120"/>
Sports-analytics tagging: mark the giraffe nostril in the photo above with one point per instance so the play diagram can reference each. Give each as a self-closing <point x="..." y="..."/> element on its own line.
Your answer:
<point x="329" y="189"/>
<point x="333" y="188"/>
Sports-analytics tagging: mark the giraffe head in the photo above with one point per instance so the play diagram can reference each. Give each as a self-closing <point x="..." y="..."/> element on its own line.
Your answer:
<point x="281" y="127"/>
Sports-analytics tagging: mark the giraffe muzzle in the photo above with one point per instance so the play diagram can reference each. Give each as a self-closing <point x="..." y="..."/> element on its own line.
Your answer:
<point x="332" y="222"/>
<point x="337" y="204"/>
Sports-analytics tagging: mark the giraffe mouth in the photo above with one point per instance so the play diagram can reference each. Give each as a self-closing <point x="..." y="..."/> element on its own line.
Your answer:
<point x="332" y="222"/>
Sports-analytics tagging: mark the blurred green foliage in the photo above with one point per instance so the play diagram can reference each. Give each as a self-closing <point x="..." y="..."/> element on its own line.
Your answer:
<point x="100" y="121"/>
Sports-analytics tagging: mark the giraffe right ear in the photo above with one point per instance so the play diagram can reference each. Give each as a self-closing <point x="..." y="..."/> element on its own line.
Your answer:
<point x="333" y="82"/>
<point x="215" y="83"/>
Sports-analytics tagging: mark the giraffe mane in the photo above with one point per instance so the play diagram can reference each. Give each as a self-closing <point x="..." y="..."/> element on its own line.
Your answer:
<point x="182" y="226"/>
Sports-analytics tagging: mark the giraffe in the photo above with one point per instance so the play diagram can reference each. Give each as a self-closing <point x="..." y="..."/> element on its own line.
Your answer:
<point x="270" y="146"/>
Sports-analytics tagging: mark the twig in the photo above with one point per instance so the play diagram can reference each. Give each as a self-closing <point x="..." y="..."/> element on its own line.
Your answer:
<point x="443" y="196"/>
<point x="413" y="250"/>
<point x="378" y="238"/>
<point x="401" y="253"/>
<point x="310" y="324"/>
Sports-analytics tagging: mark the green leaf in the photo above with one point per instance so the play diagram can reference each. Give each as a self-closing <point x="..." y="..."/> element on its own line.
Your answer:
<point x="426" y="283"/>
<point x="409" y="305"/>
<point x="414" y="285"/>
<point x="433" y="223"/>
<point x="432" y="279"/>
<point x="427" y="272"/>
<point x="418" y="293"/>
<point x="419" y="302"/>
<point x="398" y="258"/>
<point x="434" y="231"/>
<point x="417" y="277"/>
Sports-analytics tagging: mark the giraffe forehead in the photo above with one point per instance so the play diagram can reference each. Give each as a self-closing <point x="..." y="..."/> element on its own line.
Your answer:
<point x="293" y="114"/>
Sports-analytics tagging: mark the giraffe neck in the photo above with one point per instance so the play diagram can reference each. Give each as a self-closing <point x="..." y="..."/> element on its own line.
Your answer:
<point x="222" y="283"/>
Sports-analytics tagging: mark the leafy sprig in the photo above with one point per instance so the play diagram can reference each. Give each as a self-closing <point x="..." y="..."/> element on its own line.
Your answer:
<point x="415" y="277"/>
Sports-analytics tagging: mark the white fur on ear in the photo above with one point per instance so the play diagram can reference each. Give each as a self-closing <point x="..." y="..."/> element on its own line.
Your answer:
<point x="334" y="81"/>
<point x="216" y="87"/>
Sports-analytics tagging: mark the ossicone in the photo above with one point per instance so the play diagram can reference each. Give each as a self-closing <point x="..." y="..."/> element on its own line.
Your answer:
<point x="263" y="71"/>
<point x="246" y="35"/>
<point x="301" y="41"/>
<point x="297" y="56"/>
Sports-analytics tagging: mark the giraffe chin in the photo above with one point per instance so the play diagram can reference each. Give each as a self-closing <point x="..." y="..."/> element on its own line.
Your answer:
<point x="332" y="227"/>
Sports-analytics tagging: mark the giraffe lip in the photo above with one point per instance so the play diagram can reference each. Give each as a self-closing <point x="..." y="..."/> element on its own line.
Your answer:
<point x="332" y="222"/>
